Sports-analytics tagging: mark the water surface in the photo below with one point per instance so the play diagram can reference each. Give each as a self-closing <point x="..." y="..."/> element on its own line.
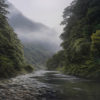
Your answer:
<point x="49" y="85"/>
<point x="68" y="87"/>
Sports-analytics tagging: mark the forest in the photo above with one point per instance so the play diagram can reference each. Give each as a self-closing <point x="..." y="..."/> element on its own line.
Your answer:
<point x="80" y="54"/>
<point x="35" y="64"/>
<point x="12" y="60"/>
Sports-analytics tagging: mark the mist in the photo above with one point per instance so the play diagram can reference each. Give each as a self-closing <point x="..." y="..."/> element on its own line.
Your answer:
<point x="48" y="12"/>
<point x="31" y="31"/>
<point x="38" y="20"/>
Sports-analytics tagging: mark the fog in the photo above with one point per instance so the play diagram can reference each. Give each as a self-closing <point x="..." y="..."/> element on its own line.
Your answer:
<point x="31" y="31"/>
<point x="48" y="12"/>
<point x="37" y="20"/>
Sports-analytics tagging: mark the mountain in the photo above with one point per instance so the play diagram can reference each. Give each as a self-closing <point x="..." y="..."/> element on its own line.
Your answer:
<point x="36" y="37"/>
<point x="37" y="54"/>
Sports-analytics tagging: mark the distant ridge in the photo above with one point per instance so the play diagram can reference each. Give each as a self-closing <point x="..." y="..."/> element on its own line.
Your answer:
<point x="40" y="42"/>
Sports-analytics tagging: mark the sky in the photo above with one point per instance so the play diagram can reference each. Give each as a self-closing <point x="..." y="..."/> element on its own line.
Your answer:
<point x="48" y="12"/>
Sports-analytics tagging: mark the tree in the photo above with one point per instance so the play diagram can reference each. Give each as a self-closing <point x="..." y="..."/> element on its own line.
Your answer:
<point x="95" y="46"/>
<point x="80" y="45"/>
<point x="11" y="50"/>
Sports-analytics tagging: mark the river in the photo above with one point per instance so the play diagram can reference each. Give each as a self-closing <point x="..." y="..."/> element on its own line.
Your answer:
<point x="49" y="85"/>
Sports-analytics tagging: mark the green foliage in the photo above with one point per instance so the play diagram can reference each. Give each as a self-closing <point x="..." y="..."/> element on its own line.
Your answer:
<point x="29" y="68"/>
<point x="56" y="61"/>
<point x="11" y="53"/>
<point x="36" y="54"/>
<point x="81" y="48"/>
<point x="95" y="46"/>
<point x="6" y="67"/>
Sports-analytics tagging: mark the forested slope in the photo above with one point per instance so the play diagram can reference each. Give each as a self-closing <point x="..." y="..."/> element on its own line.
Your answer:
<point x="11" y="52"/>
<point x="37" y="53"/>
<point x="37" y="40"/>
<point x="81" y="40"/>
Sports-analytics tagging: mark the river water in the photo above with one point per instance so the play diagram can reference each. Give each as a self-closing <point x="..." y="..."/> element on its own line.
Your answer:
<point x="49" y="85"/>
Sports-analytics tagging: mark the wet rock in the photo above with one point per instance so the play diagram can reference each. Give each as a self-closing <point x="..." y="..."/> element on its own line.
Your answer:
<point x="3" y="87"/>
<point x="25" y="88"/>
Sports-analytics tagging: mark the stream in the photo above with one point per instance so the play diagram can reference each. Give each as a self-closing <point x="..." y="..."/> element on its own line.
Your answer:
<point x="49" y="85"/>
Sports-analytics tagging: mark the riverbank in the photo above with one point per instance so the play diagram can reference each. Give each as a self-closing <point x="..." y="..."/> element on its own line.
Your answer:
<point x="82" y="71"/>
<point x="48" y="85"/>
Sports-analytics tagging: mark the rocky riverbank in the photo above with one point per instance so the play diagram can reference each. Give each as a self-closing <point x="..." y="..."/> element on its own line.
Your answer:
<point x="48" y="85"/>
<point x="26" y="87"/>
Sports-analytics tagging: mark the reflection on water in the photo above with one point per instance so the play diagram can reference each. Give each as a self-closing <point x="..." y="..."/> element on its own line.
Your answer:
<point x="67" y="87"/>
<point x="49" y="85"/>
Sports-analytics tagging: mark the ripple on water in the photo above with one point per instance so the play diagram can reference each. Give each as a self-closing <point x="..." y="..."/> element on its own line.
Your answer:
<point x="48" y="85"/>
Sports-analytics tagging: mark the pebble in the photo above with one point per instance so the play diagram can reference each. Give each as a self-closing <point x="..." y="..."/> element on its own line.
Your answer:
<point x="20" y="88"/>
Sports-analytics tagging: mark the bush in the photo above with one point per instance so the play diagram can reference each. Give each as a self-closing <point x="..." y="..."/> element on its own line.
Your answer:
<point x="6" y="67"/>
<point x="29" y="68"/>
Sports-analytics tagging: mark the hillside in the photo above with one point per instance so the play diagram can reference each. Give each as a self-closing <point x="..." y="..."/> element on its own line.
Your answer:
<point x="81" y="40"/>
<point x="37" y="54"/>
<point x="11" y="52"/>
<point x="39" y="45"/>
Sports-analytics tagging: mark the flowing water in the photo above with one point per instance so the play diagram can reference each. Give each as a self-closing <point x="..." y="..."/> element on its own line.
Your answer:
<point x="49" y="85"/>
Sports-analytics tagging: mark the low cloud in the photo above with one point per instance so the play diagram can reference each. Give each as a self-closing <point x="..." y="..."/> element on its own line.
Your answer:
<point x="31" y="31"/>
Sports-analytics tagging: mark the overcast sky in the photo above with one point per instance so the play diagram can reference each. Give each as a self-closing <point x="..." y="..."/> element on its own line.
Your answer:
<point x="48" y="12"/>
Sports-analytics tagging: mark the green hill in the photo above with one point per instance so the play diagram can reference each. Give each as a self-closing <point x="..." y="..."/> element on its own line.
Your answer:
<point x="39" y="45"/>
<point x="81" y="40"/>
<point x="11" y="52"/>
<point x="37" y="53"/>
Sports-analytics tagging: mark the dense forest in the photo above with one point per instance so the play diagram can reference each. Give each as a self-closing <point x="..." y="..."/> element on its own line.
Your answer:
<point x="11" y="51"/>
<point x="37" y="48"/>
<point x="37" y="54"/>
<point x="80" y="55"/>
